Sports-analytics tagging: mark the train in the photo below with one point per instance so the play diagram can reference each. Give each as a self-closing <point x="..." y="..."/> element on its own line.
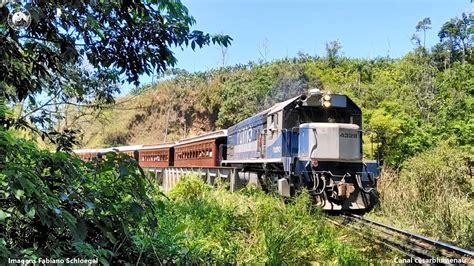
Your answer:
<point x="311" y="141"/>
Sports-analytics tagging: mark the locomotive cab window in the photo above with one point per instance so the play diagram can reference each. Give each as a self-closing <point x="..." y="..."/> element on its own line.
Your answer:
<point x="327" y="115"/>
<point x="273" y="126"/>
<point x="274" y="123"/>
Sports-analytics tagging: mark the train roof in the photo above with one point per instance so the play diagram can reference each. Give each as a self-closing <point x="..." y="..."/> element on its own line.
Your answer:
<point x="280" y="106"/>
<point x="260" y="117"/>
<point x="211" y="135"/>
<point x="82" y="151"/>
<point x="157" y="146"/>
<point x="122" y="148"/>
<point x="337" y="100"/>
<point x="253" y="120"/>
<point x="119" y="148"/>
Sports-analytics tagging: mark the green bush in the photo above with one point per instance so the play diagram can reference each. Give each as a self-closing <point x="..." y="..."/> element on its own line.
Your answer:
<point x="201" y="225"/>
<point x="52" y="205"/>
<point x="432" y="194"/>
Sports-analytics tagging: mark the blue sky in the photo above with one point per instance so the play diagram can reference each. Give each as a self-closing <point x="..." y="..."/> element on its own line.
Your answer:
<point x="365" y="28"/>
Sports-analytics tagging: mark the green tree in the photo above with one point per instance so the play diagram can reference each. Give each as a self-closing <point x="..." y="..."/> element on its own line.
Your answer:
<point x="457" y="33"/>
<point x="332" y="50"/>
<point x="55" y="205"/>
<point x="440" y="54"/>
<point x="119" y="41"/>
<point x="424" y="25"/>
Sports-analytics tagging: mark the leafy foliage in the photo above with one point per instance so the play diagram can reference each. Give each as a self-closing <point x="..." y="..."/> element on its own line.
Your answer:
<point x="54" y="205"/>
<point x="113" y="39"/>
<point x="204" y="225"/>
<point x="432" y="194"/>
<point x="456" y="34"/>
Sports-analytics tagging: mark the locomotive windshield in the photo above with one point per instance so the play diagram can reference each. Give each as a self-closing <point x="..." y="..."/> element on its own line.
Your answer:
<point x="329" y="115"/>
<point x="318" y="114"/>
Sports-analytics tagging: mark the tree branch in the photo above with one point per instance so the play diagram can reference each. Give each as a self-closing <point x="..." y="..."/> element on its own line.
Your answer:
<point x="47" y="103"/>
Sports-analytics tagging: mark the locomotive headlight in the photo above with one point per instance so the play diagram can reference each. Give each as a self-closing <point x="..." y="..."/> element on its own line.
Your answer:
<point x="326" y="100"/>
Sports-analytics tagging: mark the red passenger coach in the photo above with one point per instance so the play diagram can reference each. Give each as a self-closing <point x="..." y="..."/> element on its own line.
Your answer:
<point x="201" y="150"/>
<point x="159" y="155"/>
<point x="98" y="154"/>
<point x="131" y="151"/>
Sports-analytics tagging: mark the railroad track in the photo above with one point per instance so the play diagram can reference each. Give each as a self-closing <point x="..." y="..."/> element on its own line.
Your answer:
<point x="416" y="248"/>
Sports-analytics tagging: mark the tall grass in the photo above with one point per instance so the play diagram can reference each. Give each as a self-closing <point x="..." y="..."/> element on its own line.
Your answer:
<point x="200" y="224"/>
<point x="432" y="194"/>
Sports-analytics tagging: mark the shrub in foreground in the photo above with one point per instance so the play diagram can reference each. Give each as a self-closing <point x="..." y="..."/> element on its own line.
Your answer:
<point x="52" y="205"/>
<point x="433" y="195"/>
<point x="214" y="225"/>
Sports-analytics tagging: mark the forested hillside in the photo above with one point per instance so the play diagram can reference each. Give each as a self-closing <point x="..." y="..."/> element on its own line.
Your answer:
<point x="409" y="104"/>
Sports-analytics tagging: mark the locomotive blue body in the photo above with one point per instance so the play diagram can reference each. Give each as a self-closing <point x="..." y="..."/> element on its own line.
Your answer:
<point x="312" y="141"/>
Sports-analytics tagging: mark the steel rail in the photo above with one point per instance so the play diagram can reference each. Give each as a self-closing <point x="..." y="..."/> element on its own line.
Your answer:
<point x="437" y="243"/>
<point x="393" y="245"/>
<point x="424" y="245"/>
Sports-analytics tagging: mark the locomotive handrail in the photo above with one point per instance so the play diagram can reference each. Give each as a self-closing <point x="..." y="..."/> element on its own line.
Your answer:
<point x="357" y="177"/>
<point x="359" y="183"/>
<point x="315" y="186"/>
<point x="325" y="172"/>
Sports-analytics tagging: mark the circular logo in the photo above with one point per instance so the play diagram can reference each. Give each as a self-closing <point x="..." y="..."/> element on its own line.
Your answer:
<point x="19" y="19"/>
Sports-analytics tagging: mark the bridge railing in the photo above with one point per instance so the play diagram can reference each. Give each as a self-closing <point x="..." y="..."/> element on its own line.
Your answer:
<point x="168" y="177"/>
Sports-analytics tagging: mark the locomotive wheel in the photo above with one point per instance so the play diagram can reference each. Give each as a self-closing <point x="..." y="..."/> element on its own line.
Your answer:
<point x="296" y="184"/>
<point x="269" y="184"/>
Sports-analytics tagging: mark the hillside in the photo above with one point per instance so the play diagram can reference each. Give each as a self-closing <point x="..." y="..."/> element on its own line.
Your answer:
<point x="409" y="104"/>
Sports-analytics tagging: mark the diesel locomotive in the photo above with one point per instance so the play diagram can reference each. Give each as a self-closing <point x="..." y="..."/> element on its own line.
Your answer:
<point x="312" y="141"/>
